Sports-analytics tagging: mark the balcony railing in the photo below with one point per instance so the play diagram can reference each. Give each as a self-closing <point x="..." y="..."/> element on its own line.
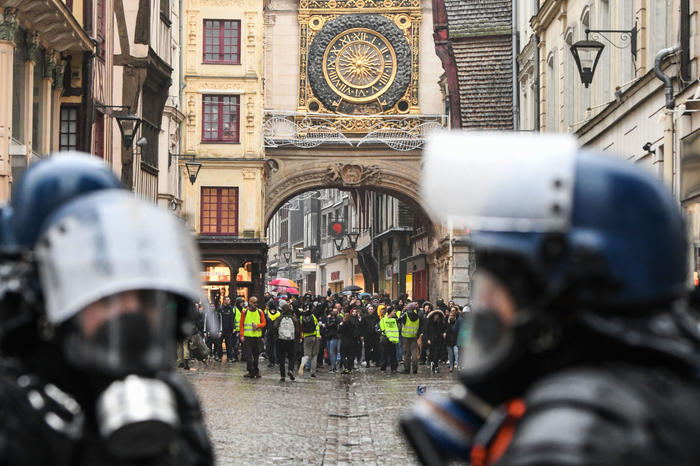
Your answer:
<point x="308" y="130"/>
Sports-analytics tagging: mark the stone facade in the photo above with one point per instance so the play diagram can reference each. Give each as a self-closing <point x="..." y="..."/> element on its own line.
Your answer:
<point x="624" y="112"/>
<point x="236" y="163"/>
<point x="38" y="41"/>
<point x="314" y="140"/>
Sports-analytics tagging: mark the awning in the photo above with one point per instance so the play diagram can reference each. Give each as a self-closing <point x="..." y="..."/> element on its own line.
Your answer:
<point x="57" y="27"/>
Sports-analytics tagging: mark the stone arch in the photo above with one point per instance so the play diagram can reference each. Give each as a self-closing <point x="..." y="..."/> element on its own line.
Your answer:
<point x="398" y="176"/>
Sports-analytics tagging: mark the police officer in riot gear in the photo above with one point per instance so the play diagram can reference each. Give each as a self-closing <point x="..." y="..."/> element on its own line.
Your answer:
<point x="582" y="349"/>
<point x="104" y="283"/>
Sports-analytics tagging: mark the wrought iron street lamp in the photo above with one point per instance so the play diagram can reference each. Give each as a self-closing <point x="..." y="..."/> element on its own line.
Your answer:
<point x="586" y="55"/>
<point x="192" y="166"/>
<point x="287" y="255"/>
<point x="587" y="52"/>
<point x="338" y="243"/>
<point x="352" y="238"/>
<point x="128" y="123"/>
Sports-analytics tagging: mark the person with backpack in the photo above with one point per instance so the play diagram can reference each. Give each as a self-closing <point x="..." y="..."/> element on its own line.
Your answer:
<point x="311" y="340"/>
<point x="252" y="324"/>
<point x="288" y="331"/>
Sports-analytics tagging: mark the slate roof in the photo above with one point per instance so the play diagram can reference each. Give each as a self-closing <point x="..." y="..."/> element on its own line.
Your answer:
<point x="478" y="17"/>
<point x="480" y="33"/>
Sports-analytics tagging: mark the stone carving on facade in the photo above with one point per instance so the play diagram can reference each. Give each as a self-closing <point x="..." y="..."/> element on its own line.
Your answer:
<point x="9" y="24"/>
<point x="59" y="74"/>
<point x="352" y="175"/>
<point x="50" y="61"/>
<point x="34" y="48"/>
<point x="250" y="113"/>
<point x="359" y="4"/>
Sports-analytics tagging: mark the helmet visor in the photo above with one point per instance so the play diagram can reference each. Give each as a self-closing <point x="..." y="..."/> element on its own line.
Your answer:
<point x="499" y="181"/>
<point x="128" y="332"/>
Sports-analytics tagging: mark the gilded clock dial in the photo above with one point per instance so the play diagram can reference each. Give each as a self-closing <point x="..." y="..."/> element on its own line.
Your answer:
<point x="359" y="65"/>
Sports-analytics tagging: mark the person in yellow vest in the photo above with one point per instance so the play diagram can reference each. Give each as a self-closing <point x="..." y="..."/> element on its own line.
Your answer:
<point x="411" y="329"/>
<point x="390" y="337"/>
<point x="380" y="310"/>
<point x="252" y="323"/>
<point x="271" y="314"/>
<point x="311" y="336"/>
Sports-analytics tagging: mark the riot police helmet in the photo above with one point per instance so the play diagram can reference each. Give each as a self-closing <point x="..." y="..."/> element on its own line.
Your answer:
<point x="563" y="236"/>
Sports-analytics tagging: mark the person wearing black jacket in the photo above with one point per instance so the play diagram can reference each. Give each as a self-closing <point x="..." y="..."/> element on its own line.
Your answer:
<point x="436" y="331"/>
<point x="228" y="319"/>
<point x="370" y="332"/>
<point x="349" y="330"/>
<point x="329" y="327"/>
<point x="212" y="331"/>
<point x="453" y="323"/>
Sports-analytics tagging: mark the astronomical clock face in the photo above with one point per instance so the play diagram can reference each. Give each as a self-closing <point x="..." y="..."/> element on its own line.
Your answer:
<point x="359" y="64"/>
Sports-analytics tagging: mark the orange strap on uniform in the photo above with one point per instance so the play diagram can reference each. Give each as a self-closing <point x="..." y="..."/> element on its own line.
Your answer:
<point x="499" y="428"/>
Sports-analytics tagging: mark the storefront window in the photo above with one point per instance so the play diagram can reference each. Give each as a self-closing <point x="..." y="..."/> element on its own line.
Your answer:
<point x="216" y="279"/>
<point x="692" y="220"/>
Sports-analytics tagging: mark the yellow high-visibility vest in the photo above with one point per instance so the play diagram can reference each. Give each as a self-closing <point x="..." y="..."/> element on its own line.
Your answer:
<point x="250" y="318"/>
<point x="391" y="329"/>
<point x="410" y="328"/>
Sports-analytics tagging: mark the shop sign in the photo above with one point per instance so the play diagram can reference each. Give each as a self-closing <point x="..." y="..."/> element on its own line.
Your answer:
<point x="215" y="276"/>
<point x="388" y="272"/>
<point x="335" y="276"/>
<point x="310" y="267"/>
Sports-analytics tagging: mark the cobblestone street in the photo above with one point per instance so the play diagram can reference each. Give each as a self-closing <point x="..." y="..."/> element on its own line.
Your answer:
<point x="332" y="419"/>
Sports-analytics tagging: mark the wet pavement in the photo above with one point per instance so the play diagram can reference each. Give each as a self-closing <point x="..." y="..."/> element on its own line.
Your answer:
<point x="330" y="419"/>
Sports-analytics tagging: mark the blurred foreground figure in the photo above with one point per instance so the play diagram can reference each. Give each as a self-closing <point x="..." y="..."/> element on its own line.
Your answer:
<point x="95" y="290"/>
<point x="582" y="349"/>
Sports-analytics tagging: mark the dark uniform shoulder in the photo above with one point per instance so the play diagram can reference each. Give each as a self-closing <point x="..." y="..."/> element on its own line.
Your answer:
<point x="614" y="414"/>
<point x="36" y="414"/>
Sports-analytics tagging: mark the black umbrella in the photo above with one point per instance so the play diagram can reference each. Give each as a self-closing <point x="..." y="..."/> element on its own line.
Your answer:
<point x="351" y="288"/>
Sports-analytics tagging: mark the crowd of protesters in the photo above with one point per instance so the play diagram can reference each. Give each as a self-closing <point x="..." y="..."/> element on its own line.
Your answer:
<point x="339" y="332"/>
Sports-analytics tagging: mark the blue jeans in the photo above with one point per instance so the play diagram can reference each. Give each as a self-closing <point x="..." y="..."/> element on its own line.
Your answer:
<point x="453" y="356"/>
<point x="334" y="351"/>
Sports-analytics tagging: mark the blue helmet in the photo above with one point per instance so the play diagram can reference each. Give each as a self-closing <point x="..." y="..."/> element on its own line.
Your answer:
<point x="601" y="229"/>
<point x="569" y="244"/>
<point x="47" y="185"/>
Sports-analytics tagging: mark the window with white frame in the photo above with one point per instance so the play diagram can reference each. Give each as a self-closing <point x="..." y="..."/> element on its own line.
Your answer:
<point x="583" y="97"/>
<point x="625" y="21"/>
<point x="604" y="84"/>
<point x="572" y="84"/>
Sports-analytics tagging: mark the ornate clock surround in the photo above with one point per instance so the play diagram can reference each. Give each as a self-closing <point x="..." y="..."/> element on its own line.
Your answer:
<point x="359" y="56"/>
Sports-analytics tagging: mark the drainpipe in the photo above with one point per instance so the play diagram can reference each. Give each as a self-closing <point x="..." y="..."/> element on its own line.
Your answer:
<point x="658" y="61"/>
<point x="516" y="91"/>
<point x="537" y="73"/>
<point x="668" y="113"/>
